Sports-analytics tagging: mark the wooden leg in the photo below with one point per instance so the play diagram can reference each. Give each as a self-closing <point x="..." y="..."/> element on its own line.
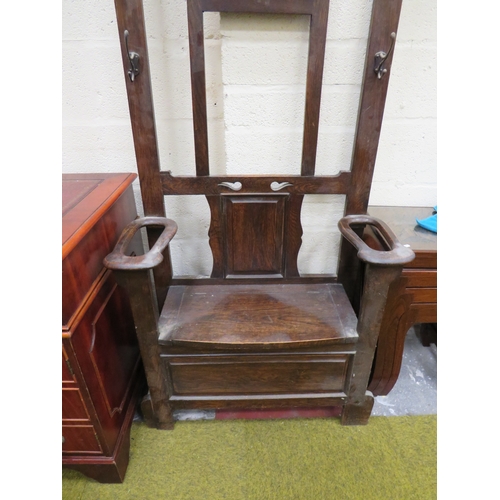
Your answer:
<point x="391" y="340"/>
<point x="145" y="311"/>
<point x="427" y="333"/>
<point x="358" y="414"/>
<point x="150" y="417"/>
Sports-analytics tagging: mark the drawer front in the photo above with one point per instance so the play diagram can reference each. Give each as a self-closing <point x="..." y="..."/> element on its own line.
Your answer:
<point x="67" y="375"/>
<point x="421" y="278"/>
<point x="424" y="260"/>
<point x="248" y="375"/>
<point x="73" y="407"/>
<point x="423" y="313"/>
<point x="80" y="439"/>
<point x="423" y="294"/>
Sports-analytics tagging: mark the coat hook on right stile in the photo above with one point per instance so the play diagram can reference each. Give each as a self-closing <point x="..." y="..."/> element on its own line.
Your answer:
<point x="380" y="58"/>
<point x="133" y="59"/>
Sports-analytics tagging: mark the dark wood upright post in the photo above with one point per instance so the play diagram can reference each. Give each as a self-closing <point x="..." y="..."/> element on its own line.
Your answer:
<point x="384" y="22"/>
<point x="130" y="20"/>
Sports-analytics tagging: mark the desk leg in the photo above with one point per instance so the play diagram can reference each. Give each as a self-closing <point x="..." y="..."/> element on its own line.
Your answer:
<point x="427" y="334"/>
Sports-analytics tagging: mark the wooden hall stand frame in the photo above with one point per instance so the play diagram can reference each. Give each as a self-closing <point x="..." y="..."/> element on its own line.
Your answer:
<point x="256" y="334"/>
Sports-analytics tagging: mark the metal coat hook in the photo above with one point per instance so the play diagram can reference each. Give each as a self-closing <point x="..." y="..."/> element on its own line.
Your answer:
<point x="380" y="58"/>
<point x="133" y="58"/>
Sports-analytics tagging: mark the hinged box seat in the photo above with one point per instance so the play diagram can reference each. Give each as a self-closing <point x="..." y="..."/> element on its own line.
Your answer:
<point x="257" y="316"/>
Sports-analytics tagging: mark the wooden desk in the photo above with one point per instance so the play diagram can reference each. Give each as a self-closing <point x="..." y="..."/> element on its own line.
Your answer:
<point x="412" y="299"/>
<point x="101" y="370"/>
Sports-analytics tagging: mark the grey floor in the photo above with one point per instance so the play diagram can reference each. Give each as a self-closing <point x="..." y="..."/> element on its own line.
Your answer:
<point x="415" y="392"/>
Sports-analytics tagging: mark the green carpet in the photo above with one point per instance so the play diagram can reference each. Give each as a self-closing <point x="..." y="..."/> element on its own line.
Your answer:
<point x="392" y="458"/>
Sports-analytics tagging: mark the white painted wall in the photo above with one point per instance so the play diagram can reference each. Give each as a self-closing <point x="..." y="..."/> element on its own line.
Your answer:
<point x="256" y="68"/>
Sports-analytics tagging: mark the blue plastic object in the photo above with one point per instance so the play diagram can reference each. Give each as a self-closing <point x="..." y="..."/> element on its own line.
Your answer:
<point x="430" y="223"/>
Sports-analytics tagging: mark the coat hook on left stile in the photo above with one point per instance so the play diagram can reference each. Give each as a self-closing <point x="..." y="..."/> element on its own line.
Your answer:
<point x="380" y="58"/>
<point x="133" y="59"/>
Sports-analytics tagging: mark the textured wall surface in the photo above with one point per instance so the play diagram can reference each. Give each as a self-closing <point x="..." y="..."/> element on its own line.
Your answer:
<point x="256" y="67"/>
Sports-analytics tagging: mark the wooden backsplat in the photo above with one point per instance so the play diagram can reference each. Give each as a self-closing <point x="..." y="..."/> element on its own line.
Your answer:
<point x="255" y="235"/>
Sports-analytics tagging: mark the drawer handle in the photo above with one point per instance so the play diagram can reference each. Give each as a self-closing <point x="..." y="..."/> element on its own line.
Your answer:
<point x="63" y="440"/>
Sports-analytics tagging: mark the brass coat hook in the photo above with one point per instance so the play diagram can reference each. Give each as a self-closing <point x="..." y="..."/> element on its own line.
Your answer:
<point x="133" y="58"/>
<point x="381" y="56"/>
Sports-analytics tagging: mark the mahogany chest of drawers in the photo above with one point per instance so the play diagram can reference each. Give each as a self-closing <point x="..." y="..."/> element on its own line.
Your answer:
<point x="102" y="375"/>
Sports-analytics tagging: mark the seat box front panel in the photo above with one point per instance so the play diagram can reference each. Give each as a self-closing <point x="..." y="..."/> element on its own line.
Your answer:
<point x="226" y="375"/>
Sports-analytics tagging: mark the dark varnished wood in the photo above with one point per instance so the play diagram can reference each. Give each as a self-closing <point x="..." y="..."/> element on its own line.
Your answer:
<point x="257" y="334"/>
<point x="141" y="288"/>
<point x="393" y="252"/>
<point x="260" y="401"/>
<point x="216" y="236"/>
<point x="294" y="184"/>
<point x="101" y="368"/>
<point x="315" y="62"/>
<point x="293" y="236"/>
<point x="412" y="298"/>
<point x="384" y="21"/>
<point x="130" y="17"/>
<point x="225" y="375"/>
<point x="236" y="316"/>
<point x="198" y="85"/>
<point x="254" y="235"/>
<point x="358" y="414"/>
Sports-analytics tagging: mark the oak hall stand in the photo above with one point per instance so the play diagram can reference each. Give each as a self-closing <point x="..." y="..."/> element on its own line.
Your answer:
<point x="257" y="334"/>
<point x="102" y="376"/>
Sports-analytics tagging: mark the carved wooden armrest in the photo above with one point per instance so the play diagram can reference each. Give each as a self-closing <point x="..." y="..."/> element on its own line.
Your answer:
<point x="119" y="261"/>
<point x="395" y="254"/>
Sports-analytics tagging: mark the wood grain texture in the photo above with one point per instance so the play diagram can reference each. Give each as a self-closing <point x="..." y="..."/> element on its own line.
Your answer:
<point x="101" y="371"/>
<point x="384" y="21"/>
<point x="293" y="236"/>
<point x="239" y="316"/>
<point x="254" y="235"/>
<point x="90" y="230"/>
<point x="144" y="309"/>
<point x="85" y="199"/>
<point x="253" y="184"/>
<point x="130" y="17"/>
<point x="216" y="236"/>
<point x="73" y="406"/>
<point x="315" y="62"/>
<point x="256" y="374"/>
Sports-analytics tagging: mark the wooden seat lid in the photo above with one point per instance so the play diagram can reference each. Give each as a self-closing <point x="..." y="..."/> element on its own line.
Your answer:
<point x="239" y="316"/>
